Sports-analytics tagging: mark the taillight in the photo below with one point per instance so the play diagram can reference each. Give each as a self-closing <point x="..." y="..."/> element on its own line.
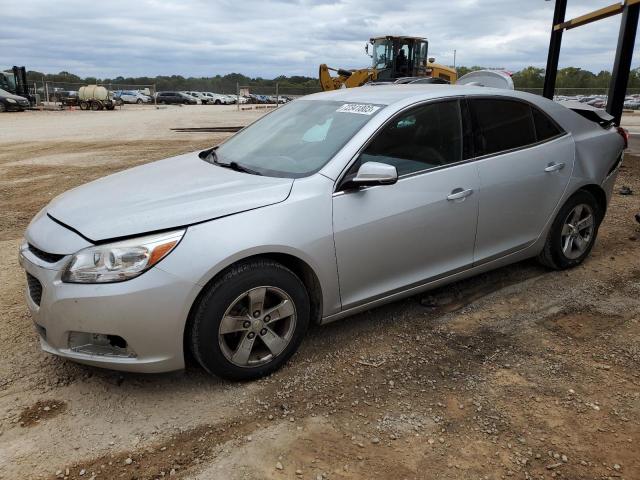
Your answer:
<point x="625" y="136"/>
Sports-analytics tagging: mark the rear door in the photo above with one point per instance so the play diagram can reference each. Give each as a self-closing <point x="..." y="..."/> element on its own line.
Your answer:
<point x="391" y="237"/>
<point x="524" y="163"/>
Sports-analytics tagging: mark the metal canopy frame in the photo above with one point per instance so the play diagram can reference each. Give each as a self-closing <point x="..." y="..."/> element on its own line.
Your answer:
<point x="630" y="10"/>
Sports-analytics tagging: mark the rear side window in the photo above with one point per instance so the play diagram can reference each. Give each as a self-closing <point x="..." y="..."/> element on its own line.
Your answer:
<point x="545" y="127"/>
<point x="501" y="125"/>
<point x="424" y="137"/>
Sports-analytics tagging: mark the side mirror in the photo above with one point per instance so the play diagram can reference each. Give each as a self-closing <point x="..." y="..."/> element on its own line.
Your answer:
<point x="375" y="173"/>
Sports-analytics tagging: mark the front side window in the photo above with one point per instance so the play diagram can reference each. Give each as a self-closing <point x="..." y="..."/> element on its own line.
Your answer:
<point x="501" y="125"/>
<point x="382" y="54"/>
<point x="425" y="137"/>
<point x="297" y="139"/>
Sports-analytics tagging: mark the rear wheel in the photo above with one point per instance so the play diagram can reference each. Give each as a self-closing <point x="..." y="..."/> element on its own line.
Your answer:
<point x="139" y="101"/>
<point x="250" y="321"/>
<point x="84" y="105"/>
<point x="2" y="107"/>
<point x="218" y="102"/>
<point x="573" y="232"/>
<point x="96" y="105"/>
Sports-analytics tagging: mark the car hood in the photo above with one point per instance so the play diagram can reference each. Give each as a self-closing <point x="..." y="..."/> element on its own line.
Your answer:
<point x="13" y="97"/>
<point x="169" y="193"/>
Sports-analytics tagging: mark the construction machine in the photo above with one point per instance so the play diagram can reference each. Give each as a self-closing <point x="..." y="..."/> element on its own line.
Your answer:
<point x="15" y="81"/>
<point x="393" y="57"/>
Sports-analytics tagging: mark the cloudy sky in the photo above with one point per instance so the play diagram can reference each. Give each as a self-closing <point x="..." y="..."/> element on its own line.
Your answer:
<point x="289" y="37"/>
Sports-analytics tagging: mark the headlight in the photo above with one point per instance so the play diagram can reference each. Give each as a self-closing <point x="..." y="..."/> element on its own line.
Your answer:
<point x="11" y="100"/>
<point x="120" y="261"/>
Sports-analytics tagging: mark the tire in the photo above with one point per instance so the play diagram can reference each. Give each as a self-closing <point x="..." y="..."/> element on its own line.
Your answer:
<point x="2" y="107"/>
<point x="219" y="353"/>
<point x="96" y="105"/>
<point x="139" y="101"/>
<point x="218" y="102"/>
<point x="560" y="252"/>
<point x="84" y="105"/>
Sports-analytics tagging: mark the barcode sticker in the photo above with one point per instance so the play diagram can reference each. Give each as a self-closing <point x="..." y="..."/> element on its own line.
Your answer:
<point x="359" y="108"/>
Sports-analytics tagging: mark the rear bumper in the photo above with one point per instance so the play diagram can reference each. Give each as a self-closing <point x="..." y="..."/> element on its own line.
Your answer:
<point x="610" y="180"/>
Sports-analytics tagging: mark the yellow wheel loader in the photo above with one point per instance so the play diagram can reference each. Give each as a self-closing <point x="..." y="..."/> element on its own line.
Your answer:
<point x="393" y="59"/>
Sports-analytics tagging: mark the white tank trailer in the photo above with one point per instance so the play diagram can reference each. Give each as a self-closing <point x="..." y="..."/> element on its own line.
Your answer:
<point x="95" y="97"/>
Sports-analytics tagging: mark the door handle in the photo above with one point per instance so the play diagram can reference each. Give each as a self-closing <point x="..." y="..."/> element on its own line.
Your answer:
<point x="552" y="167"/>
<point x="459" y="194"/>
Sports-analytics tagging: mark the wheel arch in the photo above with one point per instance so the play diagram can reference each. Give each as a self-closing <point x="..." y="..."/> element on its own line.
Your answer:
<point x="599" y="194"/>
<point x="301" y="268"/>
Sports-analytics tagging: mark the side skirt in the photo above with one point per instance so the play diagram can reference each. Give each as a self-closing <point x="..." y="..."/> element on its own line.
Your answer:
<point x="528" y="252"/>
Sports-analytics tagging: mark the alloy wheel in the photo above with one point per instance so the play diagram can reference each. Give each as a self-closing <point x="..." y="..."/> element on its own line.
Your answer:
<point x="577" y="231"/>
<point x="257" y="326"/>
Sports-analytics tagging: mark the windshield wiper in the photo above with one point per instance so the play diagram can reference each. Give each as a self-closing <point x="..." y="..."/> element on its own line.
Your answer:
<point x="236" y="166"/>
<point x="212" y="157"/>
<point x="239" y="168"/>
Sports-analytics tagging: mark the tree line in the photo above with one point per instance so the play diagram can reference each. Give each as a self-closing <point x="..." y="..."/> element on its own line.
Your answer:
<point x="527" y="78"/>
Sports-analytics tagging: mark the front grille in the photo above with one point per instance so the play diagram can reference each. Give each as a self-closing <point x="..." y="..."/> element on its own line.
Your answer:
<point x="45" y="256"/>
<point x="35" y="289"/>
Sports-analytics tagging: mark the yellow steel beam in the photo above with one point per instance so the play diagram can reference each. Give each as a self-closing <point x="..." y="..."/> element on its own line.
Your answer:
<point x="596" y="15"/>
<point x="631" y="2"/>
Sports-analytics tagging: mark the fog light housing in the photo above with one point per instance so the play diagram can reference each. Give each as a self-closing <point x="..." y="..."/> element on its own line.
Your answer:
<point x="99" y="344"/>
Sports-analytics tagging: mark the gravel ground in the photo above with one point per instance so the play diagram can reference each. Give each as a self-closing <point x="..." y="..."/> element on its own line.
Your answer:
<point x="518" y="373"/>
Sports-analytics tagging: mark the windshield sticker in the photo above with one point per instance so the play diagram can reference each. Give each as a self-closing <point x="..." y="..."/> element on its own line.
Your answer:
<point x="359" y="108"/>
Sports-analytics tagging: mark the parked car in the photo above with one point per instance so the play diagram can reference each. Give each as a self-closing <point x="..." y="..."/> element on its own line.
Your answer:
<point x="131" y="96"/>
<point x="204" y="99"/>
<point x="217" y="98"/>
<point x="231" y="99"/>
<point x="253" y="98"/>
<point x="632" y="104"/>
<point x="175" y="97"/>
<point x="328" y="206"/>
<point x="10" y="102"/>
<point x="276" y="99"/>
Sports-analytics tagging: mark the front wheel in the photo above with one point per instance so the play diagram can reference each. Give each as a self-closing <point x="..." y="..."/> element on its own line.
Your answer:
<point x="573" y="232"/>
<point x="250" y="321"/>
<point x="139" y="101"/>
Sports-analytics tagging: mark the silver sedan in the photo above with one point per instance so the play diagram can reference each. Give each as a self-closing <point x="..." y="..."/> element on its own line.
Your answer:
<point x="328" y="206"/>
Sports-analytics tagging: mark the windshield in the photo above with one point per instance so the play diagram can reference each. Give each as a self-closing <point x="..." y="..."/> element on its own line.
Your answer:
<point x="296" y="140"/>
<point x="382" y="54"/>
<point x="7" y="81"/>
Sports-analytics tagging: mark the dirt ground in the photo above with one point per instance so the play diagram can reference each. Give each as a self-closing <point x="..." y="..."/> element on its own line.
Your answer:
<point x="519" y="373"/>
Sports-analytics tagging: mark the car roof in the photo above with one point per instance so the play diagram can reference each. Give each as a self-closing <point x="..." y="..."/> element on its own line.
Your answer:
<point x="401" y="93"/>
<point x="395" y="97"/>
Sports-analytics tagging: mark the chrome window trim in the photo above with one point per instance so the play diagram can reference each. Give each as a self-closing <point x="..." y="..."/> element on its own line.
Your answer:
<point x="563" y="133"/>
<point x="525" y="147"/>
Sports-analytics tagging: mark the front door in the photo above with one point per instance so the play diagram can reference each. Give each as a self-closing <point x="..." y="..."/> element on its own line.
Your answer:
<point x="391" y="237"/>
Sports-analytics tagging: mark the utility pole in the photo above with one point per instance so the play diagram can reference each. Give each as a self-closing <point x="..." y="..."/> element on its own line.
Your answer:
<point x="454" y="59"/>
<point x="554" y="50"/>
